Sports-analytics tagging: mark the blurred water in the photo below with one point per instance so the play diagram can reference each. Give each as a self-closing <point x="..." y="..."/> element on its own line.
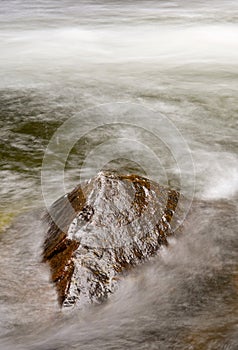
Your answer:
<point x="179" y="58"/>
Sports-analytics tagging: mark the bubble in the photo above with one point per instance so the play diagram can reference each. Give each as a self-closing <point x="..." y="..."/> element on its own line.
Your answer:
<point x="113" y="132"/>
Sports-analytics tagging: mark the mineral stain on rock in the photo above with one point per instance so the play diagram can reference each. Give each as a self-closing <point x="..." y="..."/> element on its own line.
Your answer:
<point x="102" y="229"/>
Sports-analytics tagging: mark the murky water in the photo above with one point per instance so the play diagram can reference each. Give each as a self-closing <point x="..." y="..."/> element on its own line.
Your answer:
<point x="177" y="59"/>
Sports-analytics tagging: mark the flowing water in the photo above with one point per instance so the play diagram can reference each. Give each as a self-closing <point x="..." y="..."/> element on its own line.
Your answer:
<point x="124" y="69"/>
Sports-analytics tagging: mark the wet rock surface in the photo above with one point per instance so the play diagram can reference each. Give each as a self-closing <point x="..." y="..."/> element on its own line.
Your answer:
<point x="102" y="229"/>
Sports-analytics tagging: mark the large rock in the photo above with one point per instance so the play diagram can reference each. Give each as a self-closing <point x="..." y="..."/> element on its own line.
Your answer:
<point x="102" y="229"/>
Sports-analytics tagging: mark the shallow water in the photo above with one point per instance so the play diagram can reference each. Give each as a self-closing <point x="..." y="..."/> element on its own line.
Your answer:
<point x="163" y="77"/>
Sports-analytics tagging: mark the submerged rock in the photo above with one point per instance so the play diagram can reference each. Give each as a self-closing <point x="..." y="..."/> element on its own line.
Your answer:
<point x="102" y="229"/>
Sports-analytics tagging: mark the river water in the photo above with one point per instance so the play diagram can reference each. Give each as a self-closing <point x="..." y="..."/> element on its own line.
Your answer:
<point x="147" y="87"/>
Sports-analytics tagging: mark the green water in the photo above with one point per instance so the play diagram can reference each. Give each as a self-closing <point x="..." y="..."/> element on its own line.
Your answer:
<point x="107" y="60"/>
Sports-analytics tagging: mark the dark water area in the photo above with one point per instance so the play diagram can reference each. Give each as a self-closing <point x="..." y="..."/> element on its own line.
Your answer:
<point x="147" y="87"/>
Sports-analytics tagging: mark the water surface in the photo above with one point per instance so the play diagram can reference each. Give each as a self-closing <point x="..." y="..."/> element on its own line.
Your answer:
<point x="178" y="58"/>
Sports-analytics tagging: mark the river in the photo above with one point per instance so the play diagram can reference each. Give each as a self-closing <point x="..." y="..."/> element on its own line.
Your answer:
<point x="147" y="87"/>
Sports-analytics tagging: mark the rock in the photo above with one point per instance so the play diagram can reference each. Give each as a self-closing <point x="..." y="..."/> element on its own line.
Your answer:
<point x="102" y="229"/>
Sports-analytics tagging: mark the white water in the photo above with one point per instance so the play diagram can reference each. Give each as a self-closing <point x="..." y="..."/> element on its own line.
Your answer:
<point x="179" y="58"/>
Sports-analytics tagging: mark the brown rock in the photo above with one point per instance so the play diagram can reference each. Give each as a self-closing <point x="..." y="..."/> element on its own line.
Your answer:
<point x="102" y="229"/>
